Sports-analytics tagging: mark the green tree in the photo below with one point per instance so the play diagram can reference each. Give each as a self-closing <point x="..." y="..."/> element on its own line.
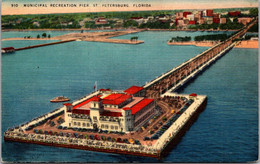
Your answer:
<point x="253" y="12"/>
<point x="49" y="36"/>
<point x="130" y="23"/>
<point x="44" y="35"/>
<point x="38" y="36"/>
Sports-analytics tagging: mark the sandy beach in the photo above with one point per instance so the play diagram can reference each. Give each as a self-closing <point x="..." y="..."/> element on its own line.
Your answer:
<point x="242" y="44"/>
<point x="194" y="43"/>
<point x="248" y="44"/>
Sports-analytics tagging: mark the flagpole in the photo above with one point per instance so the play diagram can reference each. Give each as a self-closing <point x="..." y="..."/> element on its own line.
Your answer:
<point x="95" y="86"/>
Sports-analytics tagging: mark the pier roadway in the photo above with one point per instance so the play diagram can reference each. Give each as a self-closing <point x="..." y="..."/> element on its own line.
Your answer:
<point x="181" y="74"/>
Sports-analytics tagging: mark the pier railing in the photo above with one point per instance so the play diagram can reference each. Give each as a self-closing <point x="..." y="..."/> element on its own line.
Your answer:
<point x="197" y="71"/>
<point x="64" y="140"/>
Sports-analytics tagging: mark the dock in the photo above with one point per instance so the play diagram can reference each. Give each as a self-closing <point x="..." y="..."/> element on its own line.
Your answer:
<point x="161" y="89"/>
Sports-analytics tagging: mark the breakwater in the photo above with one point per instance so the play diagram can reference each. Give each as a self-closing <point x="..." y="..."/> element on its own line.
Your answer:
<point x="46" y="44"/>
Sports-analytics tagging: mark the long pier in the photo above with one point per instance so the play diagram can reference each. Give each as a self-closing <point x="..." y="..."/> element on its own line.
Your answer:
<point x="178" y="76"/>
<point x="46" y="44"/>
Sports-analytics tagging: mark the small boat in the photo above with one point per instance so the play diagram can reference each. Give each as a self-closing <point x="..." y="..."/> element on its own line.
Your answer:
<point x="60" y="99"/>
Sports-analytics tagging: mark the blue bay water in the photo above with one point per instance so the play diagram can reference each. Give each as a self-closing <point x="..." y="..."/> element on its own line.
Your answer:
<point x="227" y="131"/>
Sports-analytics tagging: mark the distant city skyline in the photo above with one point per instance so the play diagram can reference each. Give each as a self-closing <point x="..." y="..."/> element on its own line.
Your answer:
<point x="9" y="7"/>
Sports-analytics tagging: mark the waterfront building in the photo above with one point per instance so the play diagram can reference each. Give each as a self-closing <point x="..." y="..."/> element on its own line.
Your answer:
<point x="180" y="23"/>
<point x="139" y="20"/>
<point x="216" y="15"/>
<point x="186" y="13"/>
<point x="190" y="17"/>
<point x="216" y="20"/>
<point x="207" y="13"/>
<point x="208" y="20"/>
<point x="37" y="24"/>
<point x="192" y="22"/>
<point x="223" y="21"/>
<point x="7" y="49"/>
<point x="234" y="13"/>
<point x="112" y="111"/>
<point x="179" y="15"/>
<point x="201" y="21"/>
<point x="101" y="21"/>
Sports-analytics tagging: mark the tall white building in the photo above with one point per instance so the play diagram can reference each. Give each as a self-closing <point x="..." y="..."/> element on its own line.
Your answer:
<point x="112" y="111"/>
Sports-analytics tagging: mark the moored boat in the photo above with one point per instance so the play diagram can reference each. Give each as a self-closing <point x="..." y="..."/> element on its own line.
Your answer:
<point x="60" y="99"/>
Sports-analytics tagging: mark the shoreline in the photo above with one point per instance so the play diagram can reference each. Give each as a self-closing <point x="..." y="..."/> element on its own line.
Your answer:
<point x="89" y="29"/>
<point x="243" y="44"/>
<point x="248" y="44"/>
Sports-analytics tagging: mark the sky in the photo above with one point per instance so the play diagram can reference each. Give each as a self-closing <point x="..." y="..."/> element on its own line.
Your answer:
<point x="16" y="7"/>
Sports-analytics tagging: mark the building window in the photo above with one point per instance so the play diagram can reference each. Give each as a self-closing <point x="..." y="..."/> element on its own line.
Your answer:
<point x="112" y="127"/>
<point x="102" y="126"/>
<point x="75" y="123"/>
<point x="83" y="124"/>
<point x="95" y="118"/>
<point x="78" y="123"/>
<point x="116" y="127"/>
<point x="87" y="124"/>
<point x="106" y="126"/>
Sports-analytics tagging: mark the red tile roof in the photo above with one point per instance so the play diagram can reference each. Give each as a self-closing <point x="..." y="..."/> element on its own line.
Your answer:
<point x="133" y="89"/>
<point x="136" y="17"/>
<point x="104" y="90"/>
<point x="113" y="114"/>
<point x="192" y="22"/>
<point x="126" y="108"/>
<point x="67" y="104"/>
<point x="186" y="13"/>
<point x="95" y="98"/>
<point x="140" y="105"/>
<point x="116" y="98"/>
<point x="193" y="94"/>
<point x="86" y="101"/>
